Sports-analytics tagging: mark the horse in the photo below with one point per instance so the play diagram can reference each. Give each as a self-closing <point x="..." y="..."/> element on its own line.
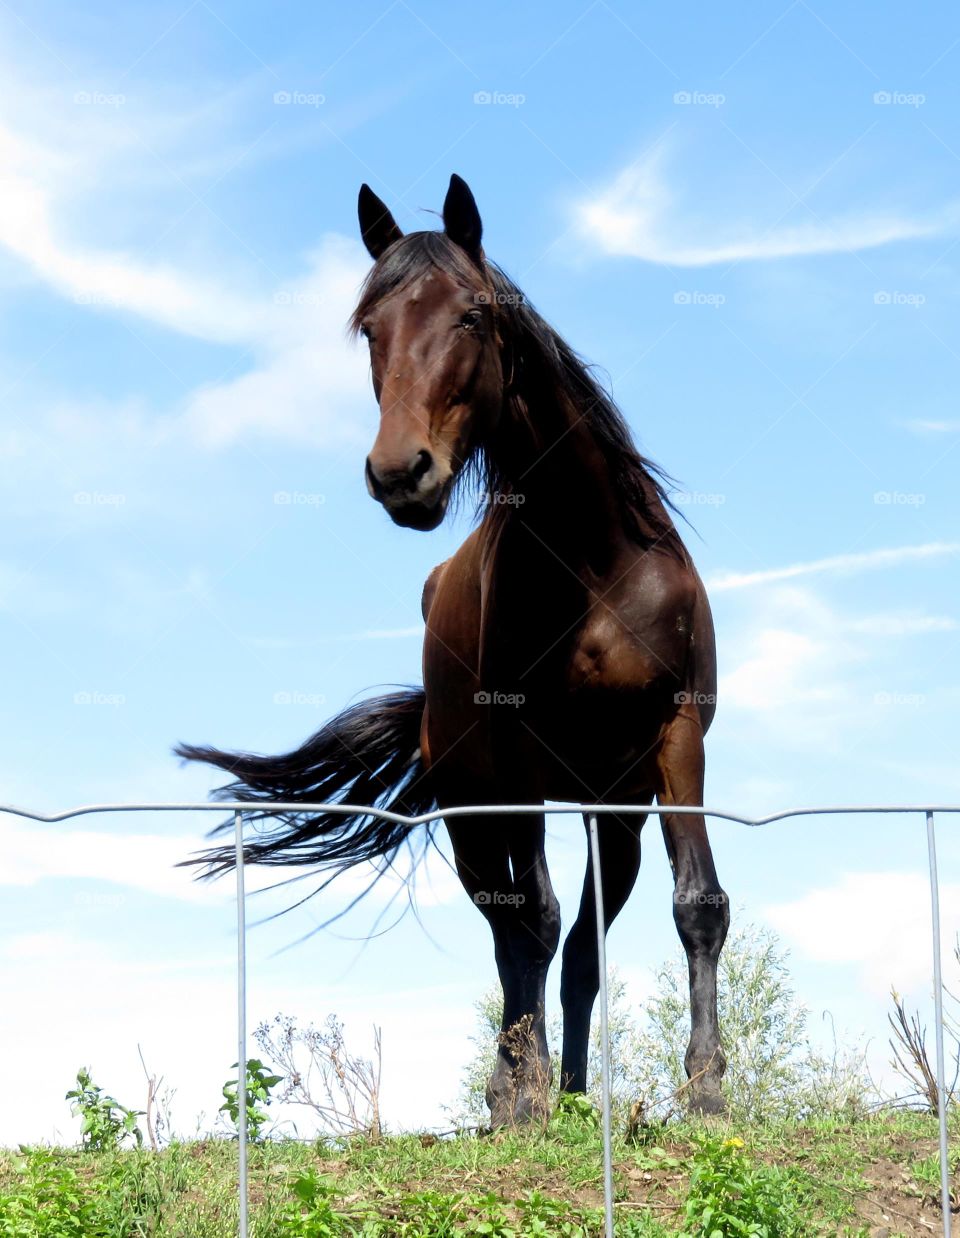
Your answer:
<point x="568" y="655"/>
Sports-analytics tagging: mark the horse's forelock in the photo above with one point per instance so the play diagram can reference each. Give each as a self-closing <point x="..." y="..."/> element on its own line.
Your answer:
<point x="411" y="256"/>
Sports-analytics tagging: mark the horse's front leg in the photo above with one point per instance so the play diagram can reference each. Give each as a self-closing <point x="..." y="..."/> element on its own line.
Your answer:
<point x="700" y="907"/>
<point x="501" y="863"/>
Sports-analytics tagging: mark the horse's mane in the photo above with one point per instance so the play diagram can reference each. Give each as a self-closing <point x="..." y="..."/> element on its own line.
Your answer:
<point x="541" y="370"/>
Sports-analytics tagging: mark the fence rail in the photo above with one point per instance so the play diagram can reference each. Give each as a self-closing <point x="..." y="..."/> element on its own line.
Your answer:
<point x="240" y="808"/>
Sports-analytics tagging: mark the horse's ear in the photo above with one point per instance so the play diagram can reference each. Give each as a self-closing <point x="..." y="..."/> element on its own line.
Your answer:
<point x="377" y="226"/>
<point x="461" y="219"/>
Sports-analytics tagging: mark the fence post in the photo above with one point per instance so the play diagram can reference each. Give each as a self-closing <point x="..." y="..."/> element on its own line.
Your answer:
<point x="604" y="1028"/>
<point x="938" y="1004"/>
<point x="241" y="1024"/>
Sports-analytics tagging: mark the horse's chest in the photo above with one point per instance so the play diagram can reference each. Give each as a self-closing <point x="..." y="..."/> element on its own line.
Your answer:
<point x="606" y="656"/>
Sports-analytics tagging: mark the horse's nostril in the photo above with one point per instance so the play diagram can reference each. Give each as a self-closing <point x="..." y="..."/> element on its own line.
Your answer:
<point x="373" y="481"/>
<point x="421" y="466"/>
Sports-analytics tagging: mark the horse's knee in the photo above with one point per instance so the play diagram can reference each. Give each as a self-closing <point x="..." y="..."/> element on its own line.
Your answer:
<point x="545" y="927"/>
<point x="702" y="917"/>
<point x="580" y="973"/>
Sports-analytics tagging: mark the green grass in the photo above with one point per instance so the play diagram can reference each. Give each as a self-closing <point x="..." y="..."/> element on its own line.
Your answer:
<point x="825" y="1177"/>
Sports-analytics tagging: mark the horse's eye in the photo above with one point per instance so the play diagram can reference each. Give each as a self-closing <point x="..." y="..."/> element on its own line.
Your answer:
<point x="366" y="332"/>
<point x="471" y="319"/>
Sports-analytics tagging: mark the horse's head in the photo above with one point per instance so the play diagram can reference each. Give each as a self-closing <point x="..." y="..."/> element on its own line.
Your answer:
<point x="427" y="311"/>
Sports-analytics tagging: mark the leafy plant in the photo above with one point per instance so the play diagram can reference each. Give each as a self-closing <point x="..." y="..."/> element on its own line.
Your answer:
<point x="106" y="1123"/>
<point x="492" y="1221"/>
<point x="47" y="1200"/>
<point x="313" y="1214"/>
<point x="730" y="1196"/>
<point x="574" y="1115"/>
<point x="258" y="1087"/>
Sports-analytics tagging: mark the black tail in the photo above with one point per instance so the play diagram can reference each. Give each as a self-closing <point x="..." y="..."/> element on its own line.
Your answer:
<point x="369" y="755"/>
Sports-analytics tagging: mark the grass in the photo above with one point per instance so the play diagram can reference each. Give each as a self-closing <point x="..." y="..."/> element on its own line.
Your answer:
<point x="826" y="1177"/>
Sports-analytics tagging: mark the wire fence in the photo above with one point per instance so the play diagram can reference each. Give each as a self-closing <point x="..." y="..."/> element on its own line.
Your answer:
<point x="592" y="812"/>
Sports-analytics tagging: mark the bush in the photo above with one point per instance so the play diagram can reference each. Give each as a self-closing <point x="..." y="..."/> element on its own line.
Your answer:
<point x="773" y="1070"/>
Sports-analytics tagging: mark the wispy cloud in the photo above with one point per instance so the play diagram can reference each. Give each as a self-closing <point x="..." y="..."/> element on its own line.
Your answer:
<point x="106" y="279"/>
<point x="636" y="216"/>
<point x="305" y="382"/>
<point x="309" y="384"/>
<point x="927" y="427"/>
<point x="388" y="633"/>
<point x="840" y="564"/>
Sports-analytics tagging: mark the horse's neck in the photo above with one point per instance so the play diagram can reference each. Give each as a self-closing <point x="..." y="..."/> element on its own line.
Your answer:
<point x="561" y="486"/>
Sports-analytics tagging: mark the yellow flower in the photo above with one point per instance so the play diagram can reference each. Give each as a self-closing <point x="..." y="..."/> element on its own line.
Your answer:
<point x="734" y="1143"/>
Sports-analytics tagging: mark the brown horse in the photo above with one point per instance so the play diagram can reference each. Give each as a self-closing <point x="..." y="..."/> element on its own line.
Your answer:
<point x="569" y="650"/>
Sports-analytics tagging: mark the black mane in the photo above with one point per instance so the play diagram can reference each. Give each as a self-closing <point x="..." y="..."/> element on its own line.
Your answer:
<point x="540" y="370"/>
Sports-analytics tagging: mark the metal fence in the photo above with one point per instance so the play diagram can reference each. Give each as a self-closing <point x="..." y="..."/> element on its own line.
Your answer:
<point x="592" y="812"/>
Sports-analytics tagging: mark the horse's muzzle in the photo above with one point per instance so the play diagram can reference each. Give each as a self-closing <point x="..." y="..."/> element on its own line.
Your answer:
<point x="413" y="497"/>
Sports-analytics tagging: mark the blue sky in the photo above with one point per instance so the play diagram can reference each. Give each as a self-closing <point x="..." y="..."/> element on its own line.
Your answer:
<point x="747" y="217"/>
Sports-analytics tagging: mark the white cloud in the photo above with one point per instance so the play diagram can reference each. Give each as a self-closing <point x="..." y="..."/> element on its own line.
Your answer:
<point x="877" y="922"/>
<point x="788" y="667"/>
<point x="309" y="384"/>
<point x="118" y="1002"/>
<point x="809" y="674"/>
<point x="867" y="560"/>
<point x="636" y="216"/>
<point x="107" y="279"/>
<point x="34" y="852"/>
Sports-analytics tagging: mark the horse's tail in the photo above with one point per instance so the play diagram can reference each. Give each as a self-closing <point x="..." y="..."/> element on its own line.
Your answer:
<point x="368" y="755"/>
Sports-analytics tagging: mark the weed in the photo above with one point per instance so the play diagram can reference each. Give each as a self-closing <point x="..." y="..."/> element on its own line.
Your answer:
<point x="106" y="1123"/>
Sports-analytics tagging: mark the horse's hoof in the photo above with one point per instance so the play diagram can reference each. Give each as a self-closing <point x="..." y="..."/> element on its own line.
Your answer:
<point x="707" y="1103"/>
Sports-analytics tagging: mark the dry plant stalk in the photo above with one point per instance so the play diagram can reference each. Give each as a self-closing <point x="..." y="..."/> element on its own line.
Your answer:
<point x="152" y="1085"/>
<point x="520" y="1043"/>
<point x="320" y="1072"/>
<point x="910" y="1057"/>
